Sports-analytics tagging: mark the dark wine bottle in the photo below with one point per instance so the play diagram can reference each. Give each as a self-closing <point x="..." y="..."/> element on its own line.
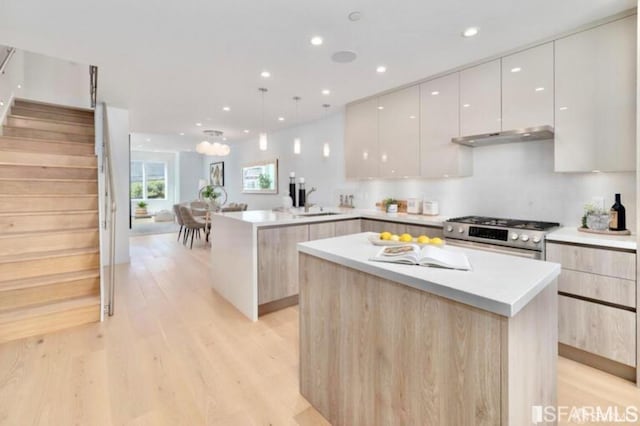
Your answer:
<point x="618" y="219"/>
<point x="292" y="189"/>
<point x="302" y="194"/>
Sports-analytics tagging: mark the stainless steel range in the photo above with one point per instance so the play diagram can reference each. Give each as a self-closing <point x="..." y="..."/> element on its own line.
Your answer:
<point x="510" y="236"/>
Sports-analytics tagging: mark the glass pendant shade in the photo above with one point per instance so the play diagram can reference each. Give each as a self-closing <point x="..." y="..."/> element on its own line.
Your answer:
<point x="297" y="145"/>
<point x="263" y="141"/>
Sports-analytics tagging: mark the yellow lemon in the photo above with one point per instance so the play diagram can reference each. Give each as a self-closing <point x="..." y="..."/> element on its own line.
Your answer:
<point x="394" y="237"/>
<point x="406" y="238"/>
<point x="436" y="241"/>
<point x="385" y="236"/>
<point x="423" y="239"/>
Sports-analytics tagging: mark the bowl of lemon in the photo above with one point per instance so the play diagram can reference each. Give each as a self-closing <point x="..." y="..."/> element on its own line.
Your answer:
<point x="388" y="239"/>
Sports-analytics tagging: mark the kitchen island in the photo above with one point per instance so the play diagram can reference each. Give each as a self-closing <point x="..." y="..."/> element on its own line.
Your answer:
<point x="254" y="257"/>
<point x="383" y="343"/>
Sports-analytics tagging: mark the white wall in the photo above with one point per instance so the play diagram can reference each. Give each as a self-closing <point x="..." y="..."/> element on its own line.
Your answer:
<point x="326" y="174"/>
<point x="171" y="190"/>
<point x="57" y="81"/>
<point x="189" y="174"/>
<point x="119" y="136"/>
<point x="515" y="180"/>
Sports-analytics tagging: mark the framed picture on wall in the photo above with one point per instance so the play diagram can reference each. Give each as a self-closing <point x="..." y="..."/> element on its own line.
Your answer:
<point x="216" y="173"/>
<point x="260" y="178"/>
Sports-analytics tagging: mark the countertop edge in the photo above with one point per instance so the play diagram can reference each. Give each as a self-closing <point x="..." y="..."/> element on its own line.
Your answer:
<point x="484" y="303"/>
<point x="572" y="235"/>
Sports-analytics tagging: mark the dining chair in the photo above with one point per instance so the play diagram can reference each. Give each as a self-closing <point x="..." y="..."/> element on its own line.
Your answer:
<point x="193" y="224"/>
<point x="176" y="210"/>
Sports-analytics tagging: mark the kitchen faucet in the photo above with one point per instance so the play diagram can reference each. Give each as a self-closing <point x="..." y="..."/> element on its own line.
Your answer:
<point x="306" y="199"/>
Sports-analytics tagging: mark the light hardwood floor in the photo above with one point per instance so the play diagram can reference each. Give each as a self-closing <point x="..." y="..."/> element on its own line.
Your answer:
<point x="178" y="354"/>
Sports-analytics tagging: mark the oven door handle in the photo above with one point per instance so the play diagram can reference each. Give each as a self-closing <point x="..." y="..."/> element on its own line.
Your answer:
<point x="531" y="254"/>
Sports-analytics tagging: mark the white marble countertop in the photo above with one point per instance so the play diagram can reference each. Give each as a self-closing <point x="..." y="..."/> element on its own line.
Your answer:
<point x="498" y="283"/>
<point x="572" y="235"/>
<point x="271" y="218"/>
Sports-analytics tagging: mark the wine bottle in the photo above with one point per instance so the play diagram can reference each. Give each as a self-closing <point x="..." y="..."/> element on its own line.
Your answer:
<point x="302" y="194"/>
<point x="618" y="219"/>
<point x="292" y="188"/>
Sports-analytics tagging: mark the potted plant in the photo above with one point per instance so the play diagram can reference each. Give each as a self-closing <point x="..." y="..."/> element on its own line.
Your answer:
<point x="390" y="205"/>
<point x="264" y="181"/>
<point x="141" y="210"/>
<point x="210" y="195"/>
<point x="595" y="218"/>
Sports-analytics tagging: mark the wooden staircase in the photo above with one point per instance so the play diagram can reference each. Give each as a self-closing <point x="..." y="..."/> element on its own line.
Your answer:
<point x="49" y="230"/>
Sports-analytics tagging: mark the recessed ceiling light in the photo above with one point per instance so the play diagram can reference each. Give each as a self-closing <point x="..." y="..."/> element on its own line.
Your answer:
<point x="435" y="93"/>
<point x="470" y="32"/>
<point x="181" y="133"/>
<point x="1" y="103"/>
<point x="246" y="130"/>
<point x="148" y="140"/>
<point x="595" y="171"/>
<point x="527" y="134"/>
<point x="380" y="107"/>
<point x="466" y="105"/>
<point x="326" y="91"/>
<point x="516" y="69"/>
<point x="412" y="117"/>
<point x="265" y="74"/>
<point x="199" y="124"/>
<point x="355" y="16"/>
<point x="539" y="89"/>
<point x="381" y="69"/>
<point x="280" y="118"/>
<point x="224" y="139"/>
<point x="316" y="41"/>
<point x="226" y="108"/>
<point x="564" y="108"/>
<point x="19" y="86"/>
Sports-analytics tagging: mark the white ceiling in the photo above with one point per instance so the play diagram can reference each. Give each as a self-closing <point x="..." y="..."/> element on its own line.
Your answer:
<point x="175" y="63"/>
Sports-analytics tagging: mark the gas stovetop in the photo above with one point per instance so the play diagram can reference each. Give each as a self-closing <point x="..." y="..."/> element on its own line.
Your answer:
<point x="522" y="234"/>
<point x="506" y="223"/>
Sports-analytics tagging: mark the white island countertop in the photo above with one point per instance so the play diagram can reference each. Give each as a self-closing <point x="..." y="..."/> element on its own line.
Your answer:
<point x="262" y="218"/>
<point x="497" y="283"/>
<point x="572" y="235"/>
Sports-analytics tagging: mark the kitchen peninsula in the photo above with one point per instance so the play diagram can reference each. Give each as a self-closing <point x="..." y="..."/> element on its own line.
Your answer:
<point x="254" y="256"/>
<point x="384" y="343"/>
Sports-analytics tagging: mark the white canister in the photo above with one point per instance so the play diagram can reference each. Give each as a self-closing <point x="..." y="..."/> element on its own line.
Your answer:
<point x="430" y="208"/>
<point x="414" y="205"/>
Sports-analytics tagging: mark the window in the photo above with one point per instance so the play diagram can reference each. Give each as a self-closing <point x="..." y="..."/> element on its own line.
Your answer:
<point x="148" y="180"/>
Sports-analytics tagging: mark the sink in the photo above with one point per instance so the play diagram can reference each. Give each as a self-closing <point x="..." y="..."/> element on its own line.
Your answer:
<point x="316" y="214"/>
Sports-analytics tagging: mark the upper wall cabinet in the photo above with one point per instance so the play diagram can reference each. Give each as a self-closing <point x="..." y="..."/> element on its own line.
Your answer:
<point x="595" y="99"/>
<point x="439" y="122"/>
<point x="527" y="88"/>
<point x="361" y="140"/>
<point x="399" y="131"/>
<point x="480" y="99"/>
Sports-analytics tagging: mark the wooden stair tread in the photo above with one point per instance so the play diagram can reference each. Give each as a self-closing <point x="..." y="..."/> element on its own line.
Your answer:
<point x="28" y="103"/>
<point x="49" y="213"/>
<point x="10" y="179"/>
<point x="11" y="157"/>
<point x="48" y="280"/>
<point x="21" y="139"/>
<point x="50" y="120"/>
<point x="47" y="255"/>
<point x="55" y="132"/>
<point x="52" y="232"/>
<point x="48" y="195"/>
<point x="19" y="314"/>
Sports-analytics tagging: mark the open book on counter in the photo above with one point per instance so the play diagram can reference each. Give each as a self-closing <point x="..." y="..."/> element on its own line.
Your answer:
<point x="412" y="254"/>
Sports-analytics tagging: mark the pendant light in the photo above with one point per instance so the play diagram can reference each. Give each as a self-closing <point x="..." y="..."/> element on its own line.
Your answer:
<point x="297" y="142"/>
<point x="262" y="141"/>
<point x="326" y="149"/>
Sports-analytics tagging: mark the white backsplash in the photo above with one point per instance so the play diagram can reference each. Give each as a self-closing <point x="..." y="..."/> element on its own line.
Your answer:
<point x="515" y="181"/>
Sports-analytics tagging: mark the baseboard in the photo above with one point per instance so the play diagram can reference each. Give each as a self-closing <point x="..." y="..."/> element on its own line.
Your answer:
<point x="276" y="305"/>
<point x="608" y="366"/>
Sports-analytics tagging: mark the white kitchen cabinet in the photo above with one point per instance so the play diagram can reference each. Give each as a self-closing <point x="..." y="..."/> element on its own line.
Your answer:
<point x="480" y="99"/>
<point x="527" y="88"/>
<point x="439" y="122"/>
<point x="595" y="99"/>
<point x="361" y="140"/>
<point x="399" y="131"/>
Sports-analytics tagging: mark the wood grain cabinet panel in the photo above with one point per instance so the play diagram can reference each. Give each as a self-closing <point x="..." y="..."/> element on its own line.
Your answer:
<point x="430" y="231"/>
<point x="612" y="263"/>
<point x="318" y="231"/>
<point x="598" y="287"/>
<point x="348" y="227"/>
<point x="278" y="261"/>
<point x="369" y="225"/>
<point x="599" y="329"/>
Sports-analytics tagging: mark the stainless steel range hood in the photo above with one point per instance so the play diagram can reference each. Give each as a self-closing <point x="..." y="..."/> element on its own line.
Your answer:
<point x="529" y="134"/>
